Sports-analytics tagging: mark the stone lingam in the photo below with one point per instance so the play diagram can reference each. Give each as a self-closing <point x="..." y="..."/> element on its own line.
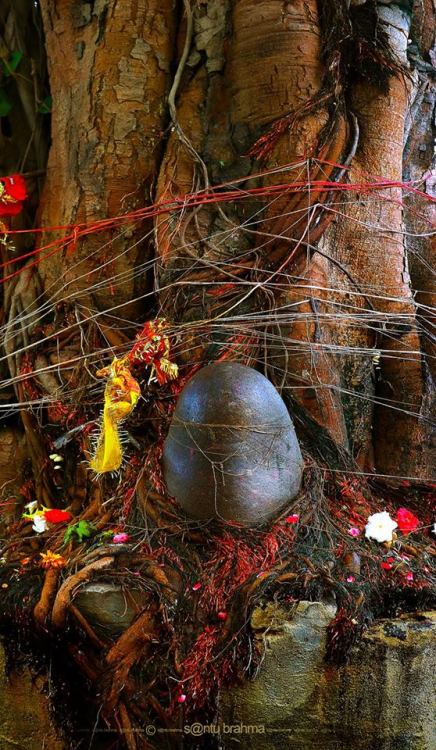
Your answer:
<point x="231" y="450"/>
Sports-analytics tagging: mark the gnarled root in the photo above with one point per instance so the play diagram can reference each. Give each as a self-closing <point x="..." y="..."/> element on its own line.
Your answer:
<point x="42" y="609"/>
<point x="63" y="598"/>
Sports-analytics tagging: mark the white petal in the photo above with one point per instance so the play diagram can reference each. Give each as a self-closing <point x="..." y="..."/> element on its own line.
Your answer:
<point x="30" y="507"/>
<point x="39" y="524"/>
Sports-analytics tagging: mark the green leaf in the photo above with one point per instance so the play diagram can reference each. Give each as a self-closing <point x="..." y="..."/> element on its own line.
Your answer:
<point x="68" y="534"/>
<point x="82" y="530"/>
<point x="5" y="104"/>
<point x="46" y="105"/>
<point x="11" y="64"/>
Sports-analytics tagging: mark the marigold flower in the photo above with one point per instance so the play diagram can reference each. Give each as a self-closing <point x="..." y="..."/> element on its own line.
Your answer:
<point x="52" y="560"/>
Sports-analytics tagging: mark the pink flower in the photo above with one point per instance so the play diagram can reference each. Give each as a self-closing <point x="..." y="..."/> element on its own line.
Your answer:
<point x="350" y="579"/>
<point x="222" y="615"/>
<point x="409" y="576"/>
<point x="120" y="538"/>
<point x="354" y="531"/>
<point x="181" y="698"/>
<point x="196" y="586"/>
<point x="292" y="519"/>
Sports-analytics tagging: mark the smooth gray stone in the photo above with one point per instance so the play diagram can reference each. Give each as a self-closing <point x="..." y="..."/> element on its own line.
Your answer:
<point x="231" y="450"/>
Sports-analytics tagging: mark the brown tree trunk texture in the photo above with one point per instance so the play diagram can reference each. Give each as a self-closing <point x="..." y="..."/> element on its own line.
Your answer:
<point x="372" y="246"/>
<point x="153" y="100"/>
<point x="109" y="73"/>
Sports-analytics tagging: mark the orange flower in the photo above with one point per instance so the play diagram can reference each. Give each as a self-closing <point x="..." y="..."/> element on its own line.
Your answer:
<point x="51" y="560"/>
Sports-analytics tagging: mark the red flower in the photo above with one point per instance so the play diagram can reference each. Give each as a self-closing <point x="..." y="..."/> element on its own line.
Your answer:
<point x="12" y="193"/>
<point x="406" y="521"/>
<point x="387" y="564"/>
<point x="57" y="516"/>
<point x="222" y="615"/>
<point x="292" y="519"/>
<point x="15" y="187"/>
<point x="10" y="209"/>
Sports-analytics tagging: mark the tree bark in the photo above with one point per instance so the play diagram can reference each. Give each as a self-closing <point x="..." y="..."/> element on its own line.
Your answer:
<point x="156" y="100"/>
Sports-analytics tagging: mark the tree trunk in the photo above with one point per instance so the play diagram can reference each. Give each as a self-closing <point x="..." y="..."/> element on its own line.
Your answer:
<point x="133" y="122"/>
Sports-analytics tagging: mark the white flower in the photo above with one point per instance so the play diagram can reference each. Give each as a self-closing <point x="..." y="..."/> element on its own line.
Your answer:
<point x="380" y="527"/>
<point x="434" y="528"/>
<point x="31" y="507"/>
<point x="39" y="524"/>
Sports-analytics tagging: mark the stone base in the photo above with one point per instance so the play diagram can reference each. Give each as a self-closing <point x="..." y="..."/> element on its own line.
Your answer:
<point x="383" y="699"/>
<point x="25" y="723"/>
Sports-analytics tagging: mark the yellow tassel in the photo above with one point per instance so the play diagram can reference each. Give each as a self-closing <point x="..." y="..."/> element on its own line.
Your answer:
<point x="120" y="397"/>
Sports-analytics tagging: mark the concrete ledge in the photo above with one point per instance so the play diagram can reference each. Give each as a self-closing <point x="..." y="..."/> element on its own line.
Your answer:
<point x="383" y="699"/>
